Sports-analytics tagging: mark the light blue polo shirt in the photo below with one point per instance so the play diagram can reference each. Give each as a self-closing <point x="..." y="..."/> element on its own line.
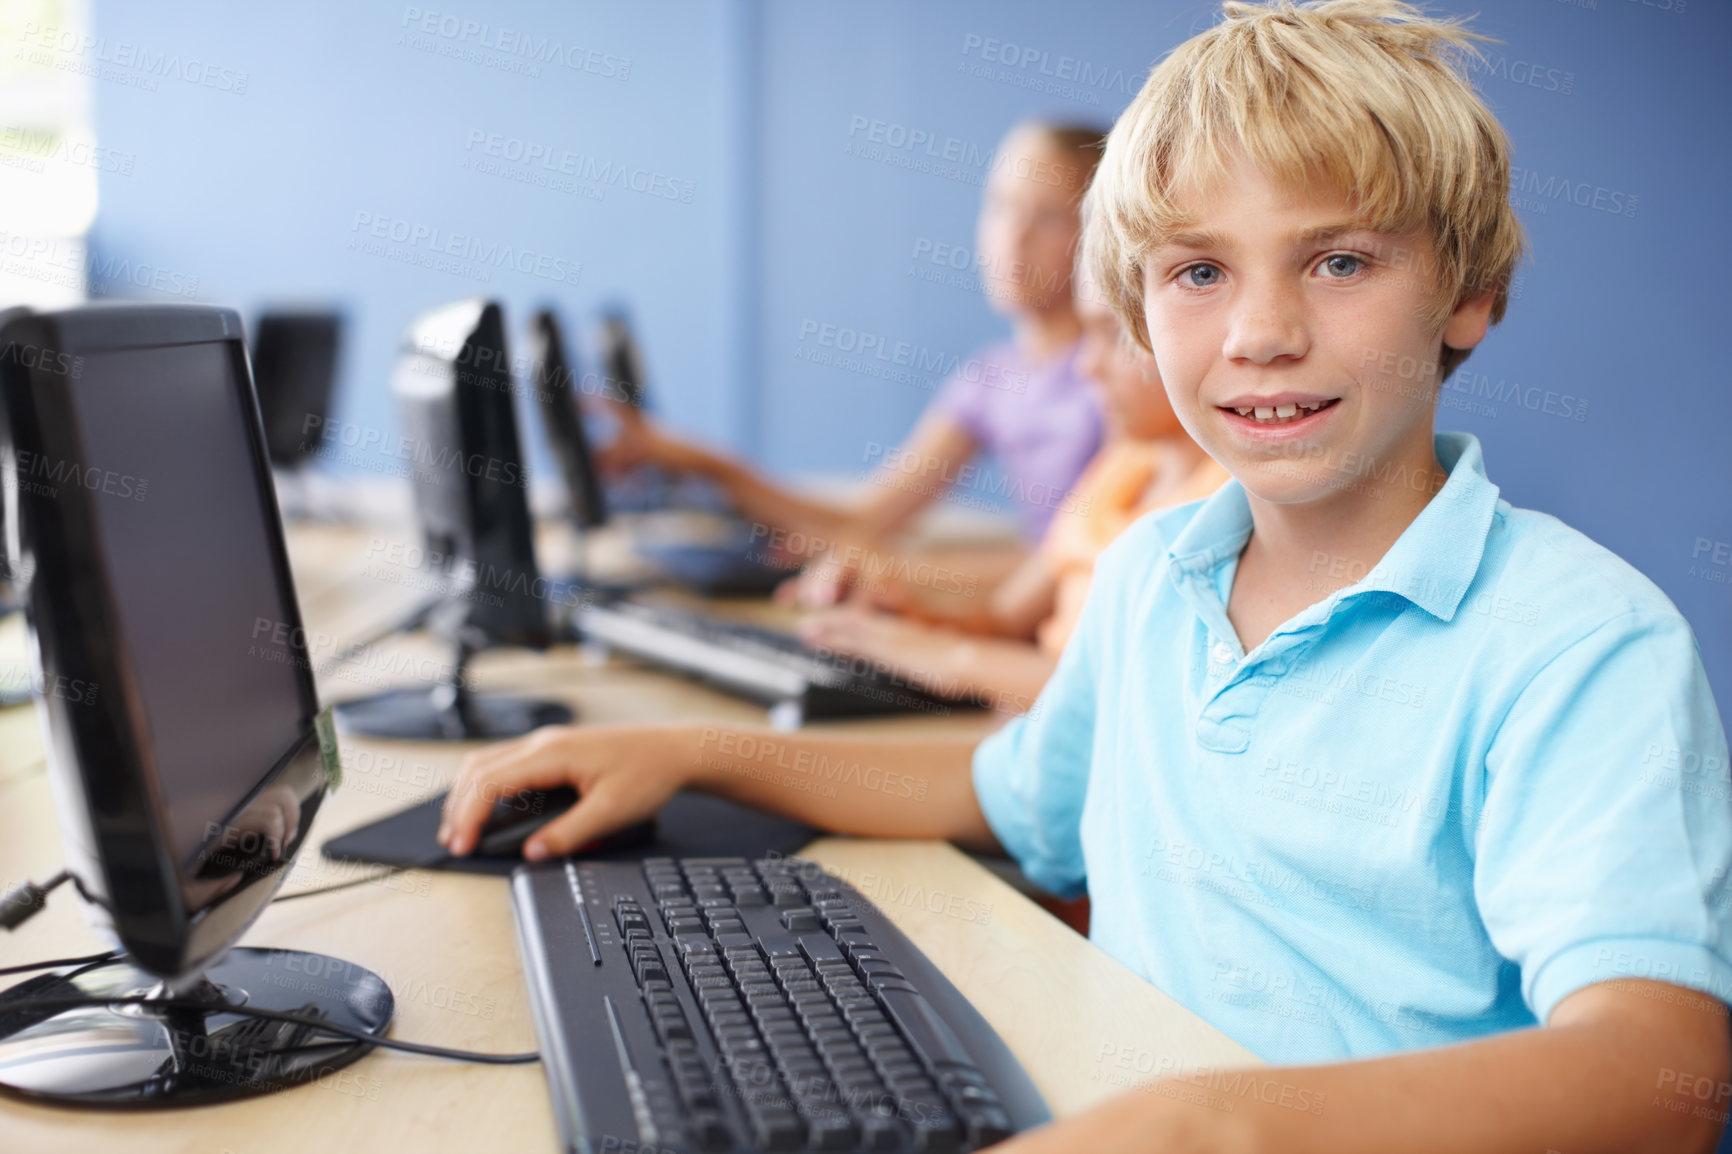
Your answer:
<point x="1426" y="809"/>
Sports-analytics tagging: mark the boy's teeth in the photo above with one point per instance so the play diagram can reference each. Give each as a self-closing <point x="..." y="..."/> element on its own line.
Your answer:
<point x="1278" y="414"/>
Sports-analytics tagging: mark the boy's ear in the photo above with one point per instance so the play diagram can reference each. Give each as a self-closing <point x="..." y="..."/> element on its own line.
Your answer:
<point x="1470" y="321"/>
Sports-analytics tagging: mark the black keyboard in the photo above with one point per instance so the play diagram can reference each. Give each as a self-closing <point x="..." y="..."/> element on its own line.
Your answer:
<point x="716" y="1004"/>
<point x="798" y="682"/>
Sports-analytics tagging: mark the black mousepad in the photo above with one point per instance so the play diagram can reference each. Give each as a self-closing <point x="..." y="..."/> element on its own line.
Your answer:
<point x="689" y="825"/>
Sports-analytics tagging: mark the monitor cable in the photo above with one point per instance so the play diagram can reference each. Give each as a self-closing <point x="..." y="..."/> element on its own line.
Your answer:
<point x="408" y="623"/>
<point x="317" y="1025"/>
<point x="25" y="901"/>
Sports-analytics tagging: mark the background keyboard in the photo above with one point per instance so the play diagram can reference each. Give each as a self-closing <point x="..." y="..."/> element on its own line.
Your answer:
<point x="717" y="1004"/>
<point x="763" y="665"/>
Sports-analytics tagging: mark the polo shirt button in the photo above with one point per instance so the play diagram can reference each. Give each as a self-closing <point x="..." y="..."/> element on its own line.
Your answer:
<point x="1221" y="653"/>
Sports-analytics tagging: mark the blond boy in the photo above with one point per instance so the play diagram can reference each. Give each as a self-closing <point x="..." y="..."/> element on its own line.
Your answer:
<point x="1356" y="760"/>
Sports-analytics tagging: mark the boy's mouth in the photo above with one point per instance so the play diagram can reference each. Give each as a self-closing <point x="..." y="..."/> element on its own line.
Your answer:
<point x="1286" y="413"/>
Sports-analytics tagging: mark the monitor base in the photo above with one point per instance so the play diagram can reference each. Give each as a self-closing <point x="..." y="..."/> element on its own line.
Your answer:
<point x="432" y="715"/>
<point x="143" y="1056"/>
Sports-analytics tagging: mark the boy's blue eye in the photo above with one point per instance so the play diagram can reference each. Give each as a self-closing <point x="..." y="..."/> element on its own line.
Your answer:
<point x="1203" y="275"/>
<point x="1342" y="265"/>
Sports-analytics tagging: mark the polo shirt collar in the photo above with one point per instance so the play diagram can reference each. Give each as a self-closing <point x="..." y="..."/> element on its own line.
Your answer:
<point x="1431" y="564"/>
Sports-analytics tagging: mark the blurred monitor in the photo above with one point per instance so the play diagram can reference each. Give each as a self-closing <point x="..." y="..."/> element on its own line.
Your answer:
<point x="621" y="361"/>
<point x="294" y="369"/>
<point x="455" y="395"/>
<point x="551" y="375"/>
<point x="183" y="733"/>
<point x="725" y="559"/>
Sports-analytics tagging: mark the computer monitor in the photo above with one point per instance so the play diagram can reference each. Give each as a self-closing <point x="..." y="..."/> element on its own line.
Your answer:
<point x="294" y="357"/>
<point x="455" y="394"/>
<point x="14" y="677"/>
<point x="621" y="361"/>
<point x="550" y="377"/>
<point x="185" y="744"/>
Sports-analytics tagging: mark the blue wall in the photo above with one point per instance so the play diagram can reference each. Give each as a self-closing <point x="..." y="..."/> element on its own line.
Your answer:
<point x="1615" y="103"/>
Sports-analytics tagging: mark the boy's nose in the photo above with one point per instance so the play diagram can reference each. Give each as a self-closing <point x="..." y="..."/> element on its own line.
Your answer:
<point x="1265" y="328"/>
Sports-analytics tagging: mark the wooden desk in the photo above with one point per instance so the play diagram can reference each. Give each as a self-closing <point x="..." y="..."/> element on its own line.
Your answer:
<point x="446" y="945"/>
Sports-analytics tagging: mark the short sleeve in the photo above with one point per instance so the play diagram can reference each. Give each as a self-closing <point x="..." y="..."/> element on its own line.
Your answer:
<point x="1606" y="832"/>
<point x="1031" y="777"/>
<point x="964" y="402"/>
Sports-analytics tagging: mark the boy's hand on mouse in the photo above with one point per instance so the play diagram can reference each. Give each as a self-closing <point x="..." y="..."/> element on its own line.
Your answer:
<point x="622" y="774"/>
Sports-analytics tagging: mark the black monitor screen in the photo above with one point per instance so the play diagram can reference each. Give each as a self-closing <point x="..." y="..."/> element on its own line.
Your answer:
<point x="200" y="605"/>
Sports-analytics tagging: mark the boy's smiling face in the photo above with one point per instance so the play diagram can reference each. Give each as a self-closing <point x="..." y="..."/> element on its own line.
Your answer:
<point x="1278" y="302"/>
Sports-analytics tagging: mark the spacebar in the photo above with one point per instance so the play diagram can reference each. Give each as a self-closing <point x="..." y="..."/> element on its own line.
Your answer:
<point x="929" y="1034"/>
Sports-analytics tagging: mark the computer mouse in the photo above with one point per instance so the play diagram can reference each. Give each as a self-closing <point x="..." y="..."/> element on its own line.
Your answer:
<point x="516" y="817"/>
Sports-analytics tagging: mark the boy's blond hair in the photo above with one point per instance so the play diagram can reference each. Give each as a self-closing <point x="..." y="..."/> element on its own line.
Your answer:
<point x="1364" y="97"/>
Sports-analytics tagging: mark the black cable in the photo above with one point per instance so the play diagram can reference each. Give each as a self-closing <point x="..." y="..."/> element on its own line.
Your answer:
<point x="25" y="900"/>
<point x="316" y="1024"/>
<point x="57" y="963"/>
<point x="408" y="623"/>
<point x="429" y="863"/>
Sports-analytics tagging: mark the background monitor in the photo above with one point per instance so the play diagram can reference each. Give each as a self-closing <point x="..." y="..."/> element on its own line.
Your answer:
<point x="294" y="357"/>
<point x="551" y="376"/>
<point x="455" y="394"/>
<point x="182" y="725"/>
<point x="621" y="361"/>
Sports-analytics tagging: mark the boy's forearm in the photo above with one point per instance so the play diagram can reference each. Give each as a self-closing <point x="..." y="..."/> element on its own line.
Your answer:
<point x="919" y="788"/>
<point x="1616" y="1083"/>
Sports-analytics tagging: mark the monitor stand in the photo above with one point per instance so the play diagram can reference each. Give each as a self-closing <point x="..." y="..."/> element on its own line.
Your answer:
<point x="194" y="1048"/>
<point x="448" y="711"/>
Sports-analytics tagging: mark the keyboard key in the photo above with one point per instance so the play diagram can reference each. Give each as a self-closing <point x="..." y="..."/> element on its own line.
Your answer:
<point x="880" y="1133"/>
<point x="779" y="1130"/>
<point x="778" y="946"/>
<point x="819" y="949"/>
<point x="800" y="919"/>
